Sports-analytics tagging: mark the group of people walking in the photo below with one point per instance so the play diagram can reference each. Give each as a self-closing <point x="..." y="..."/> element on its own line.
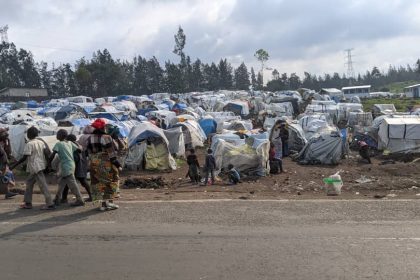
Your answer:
<point x="96" y="150"/>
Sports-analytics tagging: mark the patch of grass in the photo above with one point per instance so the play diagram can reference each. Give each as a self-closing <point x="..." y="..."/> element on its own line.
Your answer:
<point x="179" y="162"/>
<point x="401" y="104"/>
<point x="399" y="86"/>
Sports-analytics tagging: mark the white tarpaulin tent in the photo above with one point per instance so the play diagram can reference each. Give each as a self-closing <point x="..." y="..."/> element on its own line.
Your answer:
<point x="148" y="144"/>
<point x="399" y="135"/>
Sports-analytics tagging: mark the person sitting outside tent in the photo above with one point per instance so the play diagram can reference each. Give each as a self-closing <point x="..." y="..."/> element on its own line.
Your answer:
<point x="209" y="167"/>
<point x="234" y="177"/>
<point x="364" y="151"/>
<point x="276" y="163"/>
<point x="6" y="175"/>
<point x="284" y="135"/>
<point x="193" y="167"/>
<point x="80" y="172"/>
<point x="34" y="154"/>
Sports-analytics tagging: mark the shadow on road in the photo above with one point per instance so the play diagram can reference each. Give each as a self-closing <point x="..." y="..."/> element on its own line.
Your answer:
<point x="50" y="222"/>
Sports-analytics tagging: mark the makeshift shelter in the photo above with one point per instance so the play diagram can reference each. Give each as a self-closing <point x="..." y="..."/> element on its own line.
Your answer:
<point x="383" y="109"/>
<point x="249" y="156"/>
<point x="148" y="149"/>
<point x="209" y="126"/>
<point x="176" y="141"/>
<point x="238" y="107"/>
<point x="194" y="135"/>
<point x="399" y="135"/>
<point x="323" y="149"/>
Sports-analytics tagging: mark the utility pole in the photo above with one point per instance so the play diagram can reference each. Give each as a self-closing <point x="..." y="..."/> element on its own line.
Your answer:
<point x="349" y="63"/>
<point x="3" y="33"/>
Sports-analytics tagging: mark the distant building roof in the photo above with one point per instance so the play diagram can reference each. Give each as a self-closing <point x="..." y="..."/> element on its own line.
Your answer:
<point x="356" y="87"/>
<point x="333" y="90"/>
<point x="413" y="86"/>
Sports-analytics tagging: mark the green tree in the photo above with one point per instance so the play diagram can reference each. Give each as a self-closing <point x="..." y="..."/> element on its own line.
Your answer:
<point x="242" y="77"/>
<point x="225" y="74"/>
<point x="253" y="79"/>
<point x="418" y="66"/>
<point x="262" y="56"/>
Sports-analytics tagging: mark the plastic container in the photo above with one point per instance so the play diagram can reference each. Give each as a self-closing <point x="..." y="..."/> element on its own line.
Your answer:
<point x="333" y="184"/>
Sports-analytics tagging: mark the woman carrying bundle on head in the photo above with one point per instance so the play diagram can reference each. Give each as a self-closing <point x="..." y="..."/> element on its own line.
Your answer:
<point x="104" y="166"/>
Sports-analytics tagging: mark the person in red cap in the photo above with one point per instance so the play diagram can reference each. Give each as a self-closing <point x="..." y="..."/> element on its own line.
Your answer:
<point x="364" y="151"/>
<point x="104" y="166"/>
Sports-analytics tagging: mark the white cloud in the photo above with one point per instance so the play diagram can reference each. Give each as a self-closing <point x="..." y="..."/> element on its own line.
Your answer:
<point x="299" y="35"/>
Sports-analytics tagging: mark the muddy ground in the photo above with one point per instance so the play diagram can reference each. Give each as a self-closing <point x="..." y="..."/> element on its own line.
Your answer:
<point x="384" y="181"/>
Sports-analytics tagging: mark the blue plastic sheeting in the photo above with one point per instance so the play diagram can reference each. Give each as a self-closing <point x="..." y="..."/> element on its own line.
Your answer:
<point x="208" y="125"/>
<point x="235" y="108"/>
<point x="262" y="136"/>
<point x="143" y="112"/>
<point x="32" y="104"/>
<point x="179" y="106"/>
<point x="104" y="115"/>
<point x="81" y="122"/>
<point x="167" y="103"/>
<point x="123" y="97"/>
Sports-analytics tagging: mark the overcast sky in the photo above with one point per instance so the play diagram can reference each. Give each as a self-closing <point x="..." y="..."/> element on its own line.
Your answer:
<point x="299" y="35"/>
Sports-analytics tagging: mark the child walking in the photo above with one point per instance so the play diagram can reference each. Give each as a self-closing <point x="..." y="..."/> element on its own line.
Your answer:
<point x="193" y="167"/>
<point x="80" y="159"/>
<point x="35" y="166"/>
<point x="65" y="150"/>
<point x="209" y="167"/>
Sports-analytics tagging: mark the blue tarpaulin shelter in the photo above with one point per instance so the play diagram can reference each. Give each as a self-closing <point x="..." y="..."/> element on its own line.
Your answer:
<point x="208" y="125"/>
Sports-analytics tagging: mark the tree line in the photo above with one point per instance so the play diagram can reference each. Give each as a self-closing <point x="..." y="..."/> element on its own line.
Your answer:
<point x="103" y="75"/>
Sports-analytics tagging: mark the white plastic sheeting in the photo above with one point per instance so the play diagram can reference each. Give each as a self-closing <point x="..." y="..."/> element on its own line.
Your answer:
<point x="399" y="135"/>
<point x="138" y="147"/>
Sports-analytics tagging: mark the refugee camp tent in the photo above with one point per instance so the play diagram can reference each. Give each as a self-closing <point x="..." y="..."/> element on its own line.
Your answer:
<point x="209" y="126"/>
<point x="148" y="149"/>
<point x="168" y="117"/>
<point x="176" y="141"/>
<point x="238" y="125"/>
<point x="383" y="109"/>
<point x="399" y="135"/>
<point x="249" y="156"/>
<point x="323" y="149"/>
<point x="238" y="107"/>
<point x="194" y="135"/>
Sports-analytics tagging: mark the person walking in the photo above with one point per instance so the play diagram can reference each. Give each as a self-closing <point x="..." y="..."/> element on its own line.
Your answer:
<point x="36" y="162"/>
<point x="209" y="167"/>
<point x="65" y="151"/>
<point x="104" y="166"/>
<point x="193" y="167"/>
<point x="6" y="175"/>
<point x="81" y="170"/>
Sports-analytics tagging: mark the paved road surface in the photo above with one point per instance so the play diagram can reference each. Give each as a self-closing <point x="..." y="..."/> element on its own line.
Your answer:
<point x="214" y="240"/>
